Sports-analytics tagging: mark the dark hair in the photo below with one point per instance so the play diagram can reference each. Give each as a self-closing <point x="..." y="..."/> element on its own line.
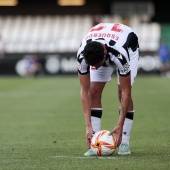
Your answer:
<point x="93" y="53"/>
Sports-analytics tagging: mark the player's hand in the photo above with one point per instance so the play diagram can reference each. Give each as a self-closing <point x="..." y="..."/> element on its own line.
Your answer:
<point x="118" y="130"/>
<point x="89" y="133"/>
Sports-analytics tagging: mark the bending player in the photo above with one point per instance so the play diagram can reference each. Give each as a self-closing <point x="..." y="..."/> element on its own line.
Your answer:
<point x="105" y="47"/>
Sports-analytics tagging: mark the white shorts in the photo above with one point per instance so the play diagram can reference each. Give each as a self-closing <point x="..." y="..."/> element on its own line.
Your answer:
<point x="103" y="74"/>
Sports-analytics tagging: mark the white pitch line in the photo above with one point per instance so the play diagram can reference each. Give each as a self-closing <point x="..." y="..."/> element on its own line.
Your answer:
<point x="85" y="157"/>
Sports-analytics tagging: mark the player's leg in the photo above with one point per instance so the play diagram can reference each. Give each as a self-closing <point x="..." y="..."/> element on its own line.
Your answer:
<point x="98" y="79"/>
<point x="96" y="109"/>
<point x="125" y="146"/>
<point x="96" y="104"/>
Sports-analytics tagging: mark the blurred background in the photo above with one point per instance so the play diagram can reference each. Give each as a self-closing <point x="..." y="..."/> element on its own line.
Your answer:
<point x="42" y="37"/>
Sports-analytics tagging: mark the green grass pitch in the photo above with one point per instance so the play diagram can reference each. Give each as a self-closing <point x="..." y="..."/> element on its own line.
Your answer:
<point x="42" y="125"/>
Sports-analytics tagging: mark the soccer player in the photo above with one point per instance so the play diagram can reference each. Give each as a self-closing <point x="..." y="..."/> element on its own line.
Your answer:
<point x="108" y="46"/>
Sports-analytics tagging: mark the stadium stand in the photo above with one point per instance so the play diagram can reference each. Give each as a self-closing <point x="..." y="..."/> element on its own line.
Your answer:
<point x="63" y="33"/>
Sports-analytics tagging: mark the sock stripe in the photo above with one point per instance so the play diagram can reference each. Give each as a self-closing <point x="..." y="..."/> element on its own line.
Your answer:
<point x="129" y="115"/>
<point x="96" y="113"/>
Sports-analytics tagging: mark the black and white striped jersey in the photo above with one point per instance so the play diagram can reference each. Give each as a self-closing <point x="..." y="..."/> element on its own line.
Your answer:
<point x="118" y="39"/>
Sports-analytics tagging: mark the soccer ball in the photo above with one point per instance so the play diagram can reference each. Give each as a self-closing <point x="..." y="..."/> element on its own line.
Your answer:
<point x="102" y="144"/>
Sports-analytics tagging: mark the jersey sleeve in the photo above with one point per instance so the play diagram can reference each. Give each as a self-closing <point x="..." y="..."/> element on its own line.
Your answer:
<point x="122" y="64"/>
<point x="124" y="70"/>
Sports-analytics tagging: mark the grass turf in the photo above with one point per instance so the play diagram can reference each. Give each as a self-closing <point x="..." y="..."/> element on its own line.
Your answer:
<point x="42" y="125"/>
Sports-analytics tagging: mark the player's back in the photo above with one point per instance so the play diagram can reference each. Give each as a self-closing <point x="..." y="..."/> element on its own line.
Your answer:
<point x="109" y="31"/>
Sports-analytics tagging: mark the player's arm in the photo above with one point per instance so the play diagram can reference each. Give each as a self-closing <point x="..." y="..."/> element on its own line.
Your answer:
<point x="125" y="85"/>
<point x="122" y="63"/>
<point x="86" y="104"/>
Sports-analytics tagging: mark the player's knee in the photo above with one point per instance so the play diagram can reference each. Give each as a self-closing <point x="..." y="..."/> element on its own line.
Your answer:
<point x="95" y="95"/>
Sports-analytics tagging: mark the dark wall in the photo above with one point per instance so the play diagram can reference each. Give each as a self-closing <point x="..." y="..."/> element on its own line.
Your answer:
<point x="162" y="12"/>
<point x="65" y="63"/>
<point x="44" y="7"/>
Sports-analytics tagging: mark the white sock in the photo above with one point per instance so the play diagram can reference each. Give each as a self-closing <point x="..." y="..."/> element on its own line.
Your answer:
<point x="96" y="123"/>
<point x="96" y="115"/>
<point x="127" y="128"/>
